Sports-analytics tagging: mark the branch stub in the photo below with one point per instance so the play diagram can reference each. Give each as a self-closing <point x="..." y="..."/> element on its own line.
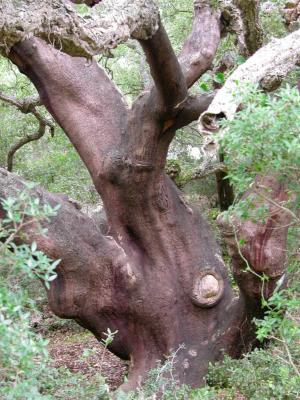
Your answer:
<point x="208" y="289"/>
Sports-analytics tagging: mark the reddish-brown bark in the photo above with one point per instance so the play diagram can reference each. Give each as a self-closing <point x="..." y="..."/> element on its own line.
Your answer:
<point x="154" y="273"/>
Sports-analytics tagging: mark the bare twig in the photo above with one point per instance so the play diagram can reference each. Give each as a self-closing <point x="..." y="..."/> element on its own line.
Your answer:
<point x="20" y="143"/>
<point x="27" y="105"/>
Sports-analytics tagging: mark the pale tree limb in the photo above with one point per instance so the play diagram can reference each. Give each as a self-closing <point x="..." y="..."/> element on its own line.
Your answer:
<point x="270" y="63"/>
<point x="268" y="66"/>
<point x="210" y="169"/>
<point x="26" y="106"/>
<point x="57" y="22"/>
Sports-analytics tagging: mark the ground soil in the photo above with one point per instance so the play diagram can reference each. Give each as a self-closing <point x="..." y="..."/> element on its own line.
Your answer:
<point x="81" y="352"/>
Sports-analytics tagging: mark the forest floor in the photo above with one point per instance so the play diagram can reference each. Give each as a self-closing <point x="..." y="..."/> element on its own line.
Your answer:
<point x="72" y="347"/>
<point x="76" y="349"/>
<point x="81" y="353"/>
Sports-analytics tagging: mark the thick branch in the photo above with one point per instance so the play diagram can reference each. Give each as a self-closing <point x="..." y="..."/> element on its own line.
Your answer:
<point x="200" y="47"/>
<point x="191" y="109"/>
<point x="80" y="97"/>
<point x="57" y="22"/>
<point x="74" y="238"/>
<point x="271" y="62"/>
<point x="165" y="69"/>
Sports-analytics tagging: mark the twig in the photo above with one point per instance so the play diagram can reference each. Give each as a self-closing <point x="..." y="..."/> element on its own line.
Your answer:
<point x="27" y="105"/>
<point x="20" y="143"/>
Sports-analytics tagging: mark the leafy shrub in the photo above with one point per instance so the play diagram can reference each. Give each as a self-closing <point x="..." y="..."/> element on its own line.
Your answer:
<point x="260" y="375"/>
<point x="24" y="365"/>
<point x="264" y="138"/>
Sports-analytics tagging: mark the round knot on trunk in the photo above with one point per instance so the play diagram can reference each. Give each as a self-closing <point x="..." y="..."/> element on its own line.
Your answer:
<point x="208" y="288"/>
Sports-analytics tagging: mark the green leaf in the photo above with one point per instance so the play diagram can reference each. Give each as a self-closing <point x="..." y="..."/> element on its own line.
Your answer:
<point x="204" y="86"/>
<point x="219" y="78"/>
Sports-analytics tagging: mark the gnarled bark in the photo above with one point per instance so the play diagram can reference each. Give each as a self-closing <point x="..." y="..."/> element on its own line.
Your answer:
<point x="155" y="274"/>
<point x="57" y="22"/>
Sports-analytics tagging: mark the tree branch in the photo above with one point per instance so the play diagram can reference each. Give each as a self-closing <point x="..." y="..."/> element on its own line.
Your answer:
<point x="27" y="105"/>
<point x="74" y="238"/>
<point x="24" y="105"/>
<point x="57" y="22"/>
<point x="252" y="32"/>
<point x="165" y="69"/>
<point x="20" y="143"/>
<point x="210" y="169"/>
<point x="201" y="45"/>
<point x="80" y="97"/>
<point x="191" y="109"/>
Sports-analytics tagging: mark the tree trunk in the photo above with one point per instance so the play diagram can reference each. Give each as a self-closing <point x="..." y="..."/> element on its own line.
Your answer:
<point x="224" y="188"/>
<point x="154" y="273"/>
